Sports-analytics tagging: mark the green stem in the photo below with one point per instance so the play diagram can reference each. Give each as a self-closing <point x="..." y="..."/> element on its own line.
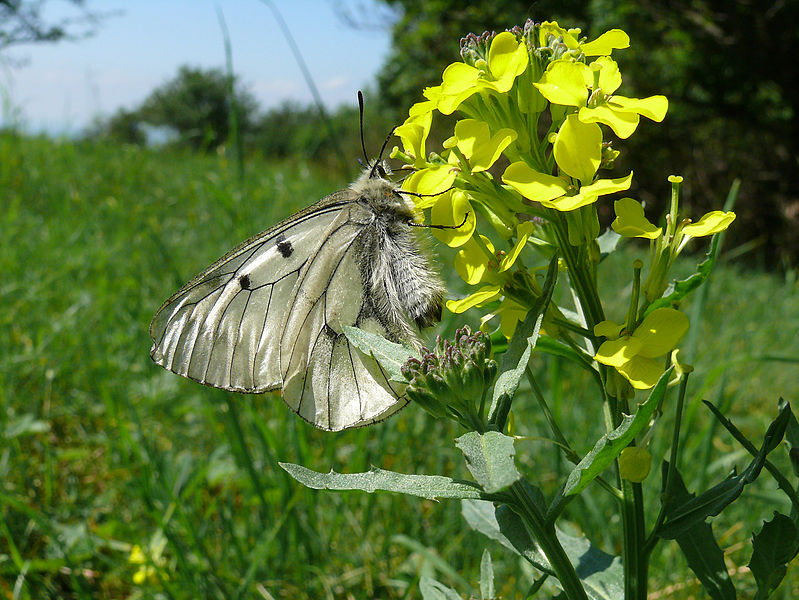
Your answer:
<point x="633" y="559"/>
<point x="547" y="539"/>
<point x="652" y="540"/>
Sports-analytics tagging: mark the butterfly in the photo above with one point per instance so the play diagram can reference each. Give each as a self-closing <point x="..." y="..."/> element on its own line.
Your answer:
<point x="269" y="315"/>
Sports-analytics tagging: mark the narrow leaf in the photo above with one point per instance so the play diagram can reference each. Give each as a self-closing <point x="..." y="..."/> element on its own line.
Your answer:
<point x="486" y="576"/>
<point x="391" y="356"/>
<point x="424" y="486"/>
<point x="698" y="544"/>
<point x="774" y="547"/>
<point x="610" y="445"/>
<point x="717" y="498"/>
<point x="489" y="458"/>
<point x="515" y="359"/>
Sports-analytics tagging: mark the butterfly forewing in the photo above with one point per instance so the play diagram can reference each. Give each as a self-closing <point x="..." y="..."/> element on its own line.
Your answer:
<point x="222" y="328"/>
<point x="270" y="314"/>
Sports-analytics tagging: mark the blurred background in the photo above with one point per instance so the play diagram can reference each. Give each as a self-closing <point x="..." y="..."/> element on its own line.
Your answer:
<point x="140" y="141"/>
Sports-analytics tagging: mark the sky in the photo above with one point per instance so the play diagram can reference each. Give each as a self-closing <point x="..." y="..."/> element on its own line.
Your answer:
<point x="139" y="45"/>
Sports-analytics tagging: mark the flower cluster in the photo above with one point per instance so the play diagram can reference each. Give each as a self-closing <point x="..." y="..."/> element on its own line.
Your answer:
<point x="452" y="380"/>
<point x="519" y="178"/>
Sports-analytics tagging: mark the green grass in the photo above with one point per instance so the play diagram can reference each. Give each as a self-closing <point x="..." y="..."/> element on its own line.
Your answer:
<point x="102" y="450"/>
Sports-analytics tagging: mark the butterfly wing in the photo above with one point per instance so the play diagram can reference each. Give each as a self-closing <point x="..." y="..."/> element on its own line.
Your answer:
<point x="223" y="327"/>
<point x="269" y="314"/>
<point x="326" y="380"/>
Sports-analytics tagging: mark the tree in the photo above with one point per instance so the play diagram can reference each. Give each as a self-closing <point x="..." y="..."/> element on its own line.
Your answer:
<point x="196" y="105"/>
<point x="23" y="22"/>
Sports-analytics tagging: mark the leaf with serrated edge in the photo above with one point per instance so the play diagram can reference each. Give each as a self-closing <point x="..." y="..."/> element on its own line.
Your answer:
<point x="698" y="544"/>
<point x="489" y="458"/>
<point x="774" y="546"/>
<point x="391" y="356"/>
<point x="610" y="445"/>
<point x="424" y="486"/>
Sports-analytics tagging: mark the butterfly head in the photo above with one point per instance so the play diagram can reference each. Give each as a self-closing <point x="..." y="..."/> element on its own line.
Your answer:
<point x="381" y="194"/>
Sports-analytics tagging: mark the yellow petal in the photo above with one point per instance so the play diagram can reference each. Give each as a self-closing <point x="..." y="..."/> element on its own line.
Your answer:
<point x="631" y="222"/>
<point x="471" y="262"/>
<point x="601" y="187"/>
<point x="606" y="43"/>
<point x="435" y="179"/>
<point x="564" y="82"/>
<point x="653" y="107"/>
<point x="453" y="209"/>
<point x="523" y="231"/>
<point x="569" y="203"/>
<point x="711" y="223"/>
<point x="615" y="353"/>
<point x="608" y="329"/>
<point x="661" y="331"/>
<point x="643" y="373"/>
<point x="609" y="74"/>
<point x="532" y="184"/>
<point x="578" y="149"/>
<point x="510" y="314"/>
<point x="623" y="124"/>
<point x="507" y="58"/>
<point x="481" y="296"/>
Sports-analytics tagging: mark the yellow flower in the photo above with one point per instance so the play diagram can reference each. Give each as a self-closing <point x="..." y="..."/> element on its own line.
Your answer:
<point x="413" y="132"/>
<point x="507" y="59"/>
<point x="631" y="222"/>
<point x="556" y="192"/>
<point x="712" y="222"/>
<point x="604" y="44"/>
<point x="474" y="140"/>
<point x="633" y="354"/>
<point x="590" y="87"/>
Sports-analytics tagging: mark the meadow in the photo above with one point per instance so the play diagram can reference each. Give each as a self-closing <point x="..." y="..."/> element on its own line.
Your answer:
<point x="102" y="452"/>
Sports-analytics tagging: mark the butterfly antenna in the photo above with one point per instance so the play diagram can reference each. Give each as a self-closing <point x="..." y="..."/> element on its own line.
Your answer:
<point x="465" y="217"/>
<point x="382" y="149"/>
<point x="360" y="112"/>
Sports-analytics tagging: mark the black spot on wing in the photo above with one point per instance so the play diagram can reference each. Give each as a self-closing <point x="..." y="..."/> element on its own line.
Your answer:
<point x="284" y="246"/>
<point x="244" y="282"/>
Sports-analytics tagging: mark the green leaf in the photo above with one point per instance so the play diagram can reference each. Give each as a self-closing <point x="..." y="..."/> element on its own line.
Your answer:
<point x="601" y="573"/>
<point x="486" y="576"/>
<point x="610" y="445"/>
<point x="489" y="458"/>
<point x="391" y="356"/>
<point x="710" y="503"/>
<point x="424" y="486"/>
<point x="698" y="544"/>
<point x="481" y="515"/>
<point x="608" y="242"/>
<point x="515" y="359"/>
<point x="679" y="289"/>
<point x="774" y="547"/>
<point x="435" y="590"/>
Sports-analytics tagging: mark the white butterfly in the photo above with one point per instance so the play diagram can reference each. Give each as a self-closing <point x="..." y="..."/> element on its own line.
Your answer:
<point x="269" y="314"/>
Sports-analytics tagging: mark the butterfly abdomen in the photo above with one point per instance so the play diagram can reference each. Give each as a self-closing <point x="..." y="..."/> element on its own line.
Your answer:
<point x="405" y="291"/>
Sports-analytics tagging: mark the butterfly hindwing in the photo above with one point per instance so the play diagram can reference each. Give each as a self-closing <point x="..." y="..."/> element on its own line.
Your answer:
<point x="223" y="327"/>
<point x="325" y="379"/>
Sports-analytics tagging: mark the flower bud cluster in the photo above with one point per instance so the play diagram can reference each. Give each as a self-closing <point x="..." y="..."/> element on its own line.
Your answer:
<point x="475" y="47"/>
<point x="451" y="381"/>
